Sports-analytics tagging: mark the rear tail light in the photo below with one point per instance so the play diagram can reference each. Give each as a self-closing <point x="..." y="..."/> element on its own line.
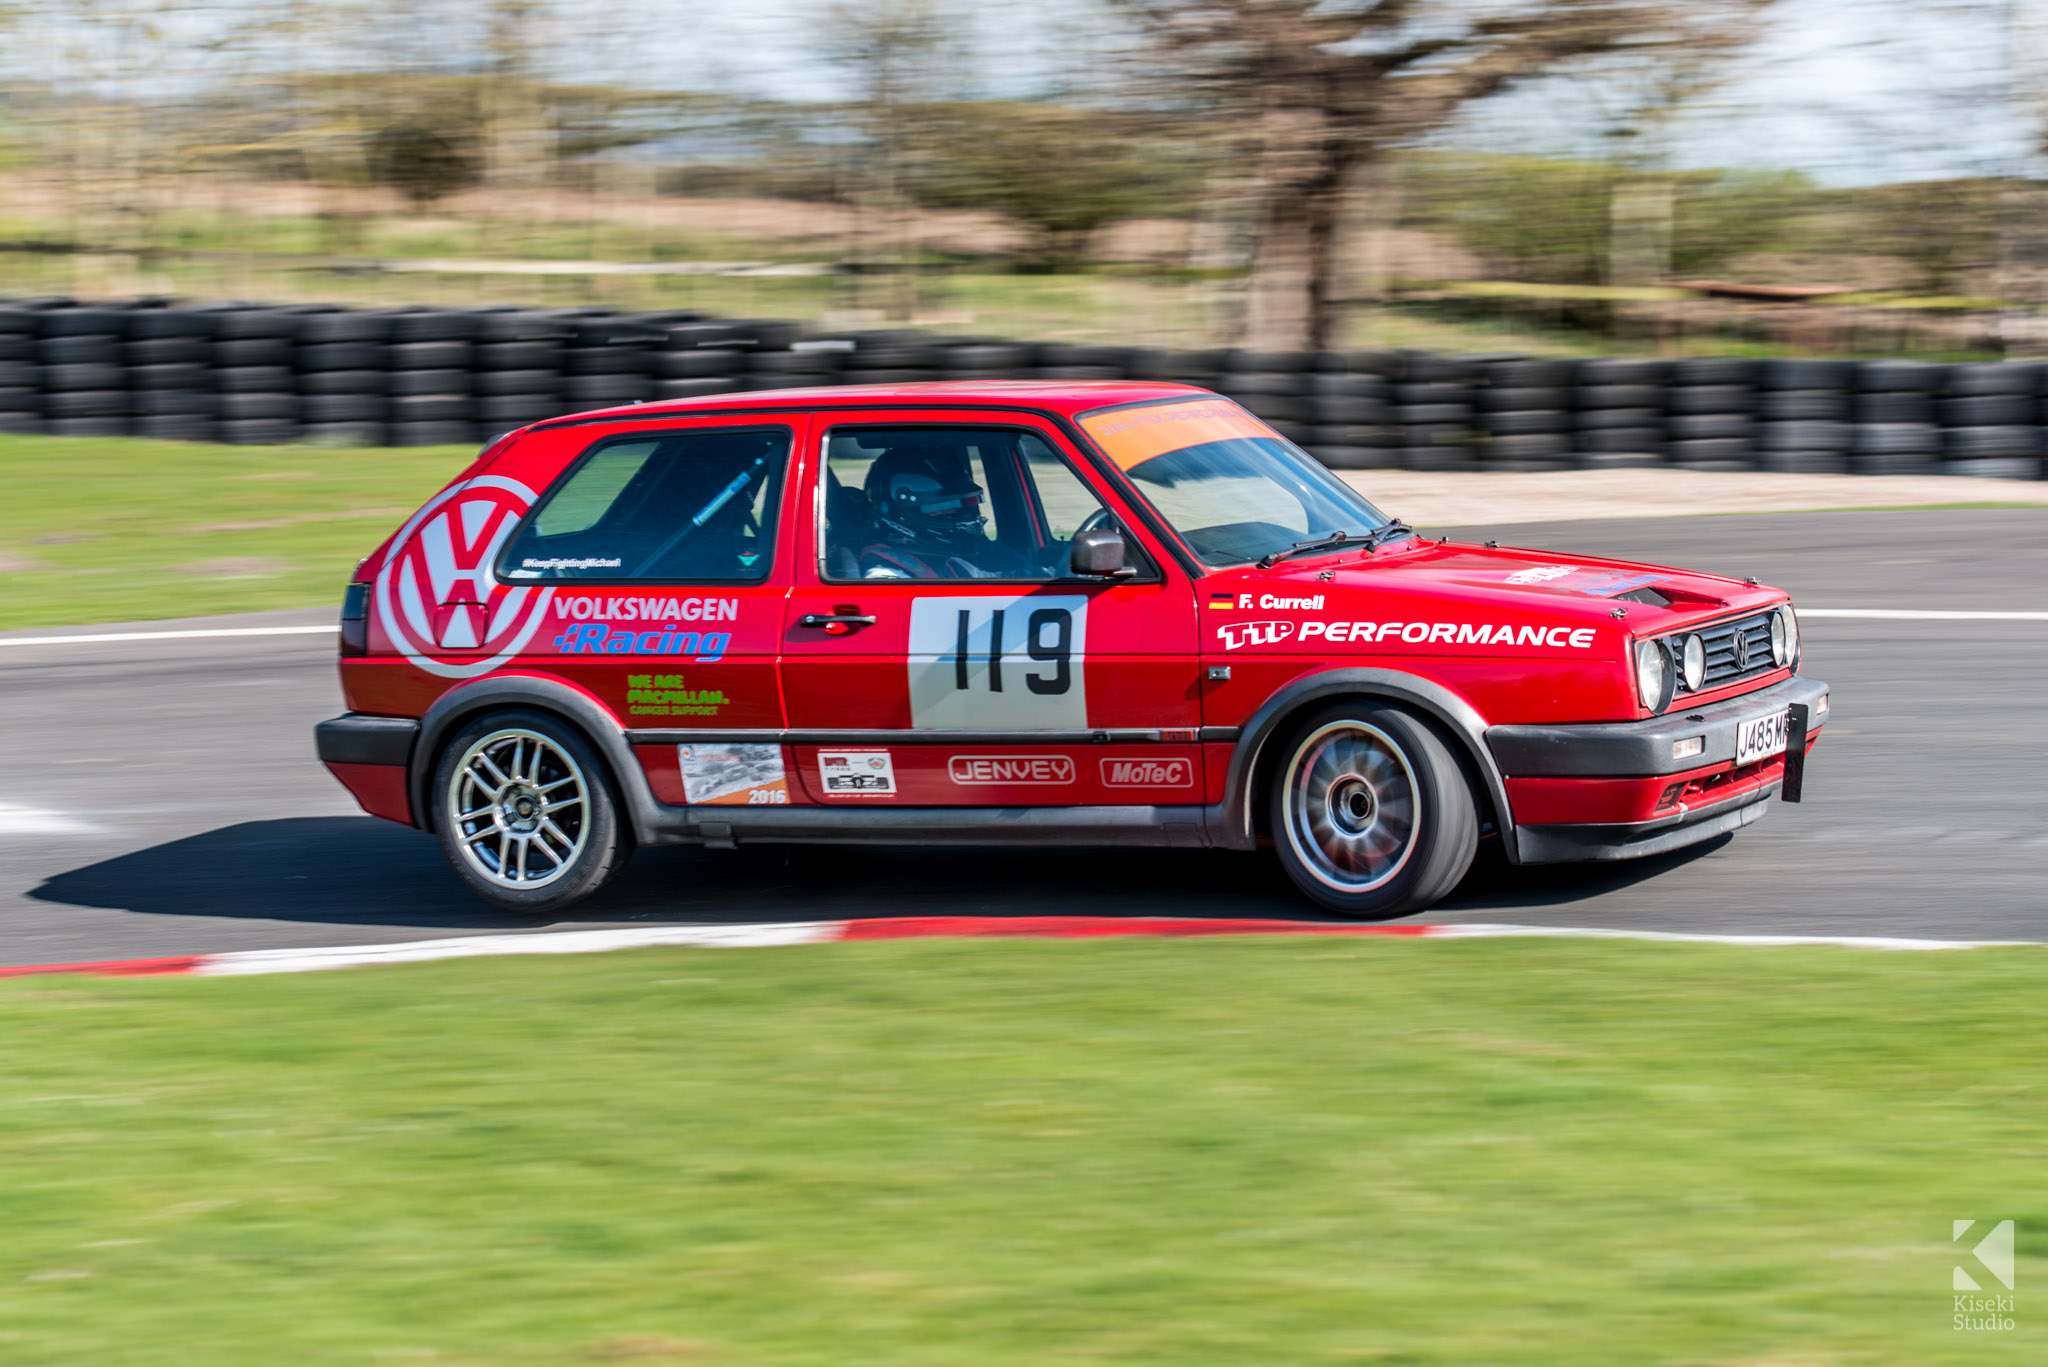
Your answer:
<point x="355" y="621"/>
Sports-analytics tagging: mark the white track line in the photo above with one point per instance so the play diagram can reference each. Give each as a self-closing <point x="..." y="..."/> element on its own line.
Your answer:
<point x="1480" y="931"/>
<point x="164" y="635"/>
<point x="1924" y="615"/>
<point x="249" y="961"/>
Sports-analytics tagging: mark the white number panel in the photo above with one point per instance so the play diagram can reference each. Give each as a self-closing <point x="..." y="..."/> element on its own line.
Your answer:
<point x="996" y="663"/>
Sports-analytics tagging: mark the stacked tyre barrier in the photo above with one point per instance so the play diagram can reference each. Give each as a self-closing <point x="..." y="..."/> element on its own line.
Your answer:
<point x="329" y="376"/>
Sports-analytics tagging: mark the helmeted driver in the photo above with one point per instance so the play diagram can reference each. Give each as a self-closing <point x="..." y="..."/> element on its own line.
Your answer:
<point x="931" y="524"/>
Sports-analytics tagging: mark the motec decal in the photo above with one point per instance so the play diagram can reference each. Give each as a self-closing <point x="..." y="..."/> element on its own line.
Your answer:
<point x="1148" y="773"/>
<point x="999" y="663"/>
<point x="1010" y="769"/>
<point x="436" y="596"/>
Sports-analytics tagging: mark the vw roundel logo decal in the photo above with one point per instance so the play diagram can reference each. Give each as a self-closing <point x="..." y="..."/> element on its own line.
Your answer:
<point x="436" y="596"/>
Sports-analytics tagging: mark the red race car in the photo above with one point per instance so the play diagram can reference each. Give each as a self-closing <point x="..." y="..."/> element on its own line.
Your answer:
<point x="990" y="613"/>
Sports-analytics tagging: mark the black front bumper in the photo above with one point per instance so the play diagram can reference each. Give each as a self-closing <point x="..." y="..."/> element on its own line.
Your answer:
<point x="1643" y="749"/>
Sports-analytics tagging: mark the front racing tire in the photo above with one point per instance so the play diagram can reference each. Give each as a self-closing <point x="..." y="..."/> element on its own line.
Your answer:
<point x="526" y="813"/>
<point x="1371" y="814"/>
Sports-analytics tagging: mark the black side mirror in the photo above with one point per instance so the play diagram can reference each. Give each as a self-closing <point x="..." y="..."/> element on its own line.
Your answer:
<point x="1099" y="554"/>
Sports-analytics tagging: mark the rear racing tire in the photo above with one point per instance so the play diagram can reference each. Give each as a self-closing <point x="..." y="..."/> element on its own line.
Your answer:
<point x="1372" y="815"/>
<point x="526" y="812"/>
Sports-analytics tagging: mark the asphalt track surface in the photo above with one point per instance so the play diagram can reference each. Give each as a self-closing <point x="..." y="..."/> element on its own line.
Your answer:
<point x="162" y="797"/>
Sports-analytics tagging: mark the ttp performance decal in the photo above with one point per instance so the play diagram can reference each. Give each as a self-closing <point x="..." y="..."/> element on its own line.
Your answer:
<point x="1240" y="634"/>
<point x="603" y="637"/>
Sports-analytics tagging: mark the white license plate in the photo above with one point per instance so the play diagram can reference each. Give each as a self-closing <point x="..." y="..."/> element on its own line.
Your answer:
<point x="1761" y="737"/>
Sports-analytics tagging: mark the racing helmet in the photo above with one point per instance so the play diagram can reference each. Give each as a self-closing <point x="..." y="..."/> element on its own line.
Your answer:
<point x="926" y="494"/>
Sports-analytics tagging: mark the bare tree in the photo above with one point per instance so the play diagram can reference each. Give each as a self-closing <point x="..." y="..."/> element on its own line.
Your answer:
<point x="894" y="51"/>
<point x="1325" y="89"/>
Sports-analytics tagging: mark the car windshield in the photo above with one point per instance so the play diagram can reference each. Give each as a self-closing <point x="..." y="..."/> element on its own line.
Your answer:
<point x="1232" y="487"/>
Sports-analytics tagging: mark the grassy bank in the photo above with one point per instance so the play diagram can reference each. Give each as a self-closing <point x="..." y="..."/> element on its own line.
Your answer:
<point x="119" y="530"/>
<point x="1220" y="1152"/>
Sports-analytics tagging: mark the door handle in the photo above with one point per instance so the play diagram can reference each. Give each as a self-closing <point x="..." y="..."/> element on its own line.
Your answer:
<point x="837" y="623"/>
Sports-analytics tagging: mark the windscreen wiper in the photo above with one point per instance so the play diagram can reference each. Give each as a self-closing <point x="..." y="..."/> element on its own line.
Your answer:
<point x="1370" y="540"/>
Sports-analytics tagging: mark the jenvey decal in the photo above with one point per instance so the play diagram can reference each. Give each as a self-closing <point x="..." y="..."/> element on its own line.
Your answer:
<point x="999" y="662"/>
<point x="856" y="772"/>
<point x="733" y="775"/>
<point x="1148" y="773"/>
<point x="1010" y="769"/>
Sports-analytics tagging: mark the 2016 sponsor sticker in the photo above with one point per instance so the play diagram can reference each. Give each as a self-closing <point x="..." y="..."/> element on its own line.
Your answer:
<point x="733" y="775"/>
<point x="1010" y="769"/>
<point x="1148" y="773"/>
<point x="856" y="772"/>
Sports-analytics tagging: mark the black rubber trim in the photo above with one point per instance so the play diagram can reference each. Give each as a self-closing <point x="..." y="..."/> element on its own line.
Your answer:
<point x="1643" y="749"/>
<point x="1574" y="844"/>
<point x="353" y="738"/>
<point x="1112" y="736"/>
<point x="1174" y="827"/>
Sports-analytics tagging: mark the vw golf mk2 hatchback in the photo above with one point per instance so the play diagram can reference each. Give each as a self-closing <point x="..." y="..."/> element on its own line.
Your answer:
<point x="989" y="613"/>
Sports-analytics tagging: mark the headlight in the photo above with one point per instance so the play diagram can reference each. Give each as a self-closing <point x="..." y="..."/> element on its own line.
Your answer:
<point x="1694" y="667"/>
<point x="1784" y="637"/>
<point x="1654" y="680"/>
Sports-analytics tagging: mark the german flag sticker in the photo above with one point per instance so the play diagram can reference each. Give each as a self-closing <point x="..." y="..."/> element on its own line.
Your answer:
<point x="1226" y="601"/>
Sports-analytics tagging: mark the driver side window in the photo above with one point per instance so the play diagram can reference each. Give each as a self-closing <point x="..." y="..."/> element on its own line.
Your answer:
<point x="693" y="507"/>
<point x="949" y="504"/>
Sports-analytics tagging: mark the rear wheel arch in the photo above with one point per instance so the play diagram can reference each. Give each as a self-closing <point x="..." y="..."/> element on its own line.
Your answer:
<point x="459" y="707"/>
<point x="1264" y="739"/>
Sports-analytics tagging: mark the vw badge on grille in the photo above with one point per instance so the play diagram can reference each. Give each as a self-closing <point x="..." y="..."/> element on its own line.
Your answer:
<point x="1741" y="651"/>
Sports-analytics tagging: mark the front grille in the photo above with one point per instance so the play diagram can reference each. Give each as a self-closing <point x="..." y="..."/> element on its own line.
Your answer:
<point x="1737" y="650"/>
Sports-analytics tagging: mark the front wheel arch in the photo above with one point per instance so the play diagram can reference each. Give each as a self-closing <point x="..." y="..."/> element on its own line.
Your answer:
<point x="1261" y="741"/>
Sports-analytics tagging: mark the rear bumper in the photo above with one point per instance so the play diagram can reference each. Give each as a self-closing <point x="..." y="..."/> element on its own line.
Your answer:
<point x="370" y="756"/>
<point x="1621" y="791"/>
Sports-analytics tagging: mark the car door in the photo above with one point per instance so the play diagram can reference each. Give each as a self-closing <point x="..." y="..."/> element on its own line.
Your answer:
<point x="663" y="549"/>
<point x="967" y="666"/>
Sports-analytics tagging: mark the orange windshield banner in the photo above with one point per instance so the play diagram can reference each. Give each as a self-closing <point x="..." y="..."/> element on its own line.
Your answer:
<point x="1132" y="436"/>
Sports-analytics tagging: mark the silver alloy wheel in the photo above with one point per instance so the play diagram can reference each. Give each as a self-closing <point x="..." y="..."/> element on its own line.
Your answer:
<point x="519" y="808"/>
<point x="1351" y="805"/>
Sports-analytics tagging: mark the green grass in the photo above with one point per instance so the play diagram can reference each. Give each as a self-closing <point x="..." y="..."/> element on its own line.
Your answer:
<point x="119" y="530"/>
<point x="1209" y="1152"/>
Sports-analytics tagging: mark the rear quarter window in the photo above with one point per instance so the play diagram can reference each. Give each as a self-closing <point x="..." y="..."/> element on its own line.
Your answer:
<point x="680" y="507"/>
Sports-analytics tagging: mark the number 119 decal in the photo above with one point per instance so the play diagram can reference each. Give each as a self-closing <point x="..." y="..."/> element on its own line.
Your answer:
<point x="985" y="663"/>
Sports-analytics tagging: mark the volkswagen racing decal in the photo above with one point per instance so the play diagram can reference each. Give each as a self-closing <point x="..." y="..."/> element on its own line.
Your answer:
<point x="440" y="566"/>
<point x="999" y="663"/>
